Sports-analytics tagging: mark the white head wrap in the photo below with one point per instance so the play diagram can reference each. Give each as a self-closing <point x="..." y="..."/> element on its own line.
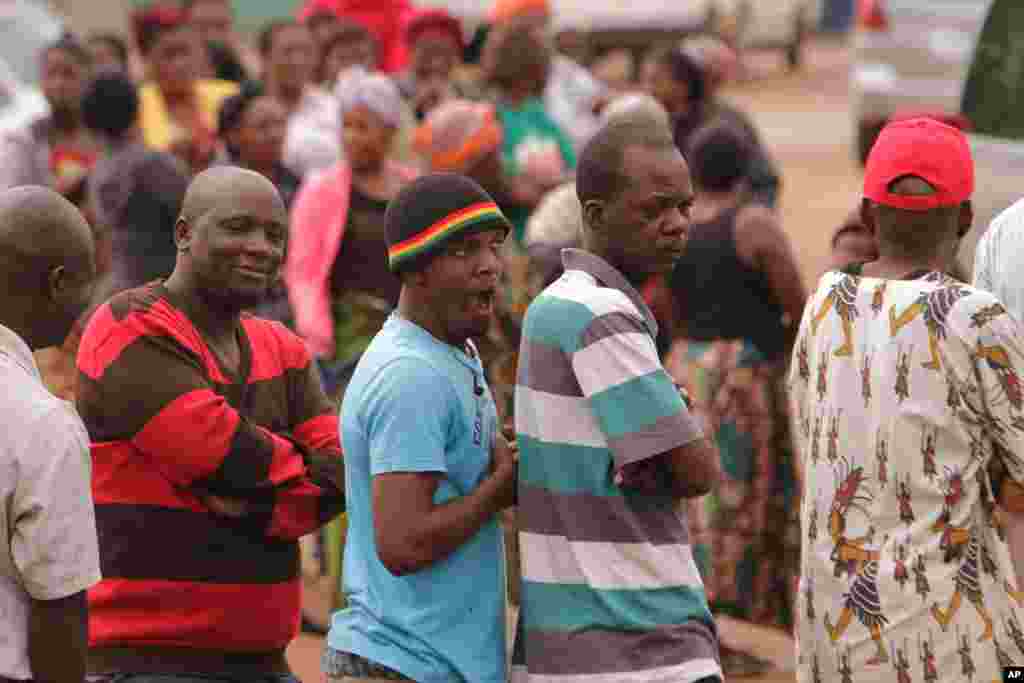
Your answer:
<point x="376" y="92"/>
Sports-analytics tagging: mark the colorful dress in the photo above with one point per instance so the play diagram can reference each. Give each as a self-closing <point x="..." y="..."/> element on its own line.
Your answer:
<point x="928" y="338"/>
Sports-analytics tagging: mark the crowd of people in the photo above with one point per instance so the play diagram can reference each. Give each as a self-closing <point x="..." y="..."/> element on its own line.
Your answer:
<point x="451" y="323"/>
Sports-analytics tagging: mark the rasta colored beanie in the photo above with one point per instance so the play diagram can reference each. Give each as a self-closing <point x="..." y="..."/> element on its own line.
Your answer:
<point x="433" y="210"/>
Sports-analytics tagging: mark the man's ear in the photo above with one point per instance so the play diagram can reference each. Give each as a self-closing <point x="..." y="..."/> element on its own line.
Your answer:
<point x="56" y="283"/>
<point x="183" y="231"/>
<point x="593" y="211"/>
<point x="966" y="219"/>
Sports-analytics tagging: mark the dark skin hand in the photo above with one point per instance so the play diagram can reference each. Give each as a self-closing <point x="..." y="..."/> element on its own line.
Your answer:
<point x="58" y="639"/>
<point x="413" y="533"/>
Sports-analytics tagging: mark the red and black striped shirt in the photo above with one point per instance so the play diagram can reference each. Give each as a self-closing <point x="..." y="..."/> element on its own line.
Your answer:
<point x="168" y="427"/>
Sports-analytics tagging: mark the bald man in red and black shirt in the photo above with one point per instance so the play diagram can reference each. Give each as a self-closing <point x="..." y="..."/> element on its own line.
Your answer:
<point x="214" y="449"/>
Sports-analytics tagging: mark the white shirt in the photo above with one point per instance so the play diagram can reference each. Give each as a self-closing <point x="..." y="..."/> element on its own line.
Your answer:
<point x="312" y="141"/>
<point x="999" y="257"/>
<point x="48" y="545"/>
<point x="570" y="96"/>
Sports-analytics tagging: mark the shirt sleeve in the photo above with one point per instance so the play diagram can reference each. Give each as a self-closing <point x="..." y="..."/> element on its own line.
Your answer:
<point x="53" y="534"/>
<point x="192" y="435"/>
<point x="637" y="405"/>
<point x="983" y="258"/>
<point x="407" y="418"/>
<point x="996" y="342"/>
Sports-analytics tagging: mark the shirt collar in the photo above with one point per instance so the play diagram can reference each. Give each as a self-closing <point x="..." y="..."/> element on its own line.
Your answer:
<point x="15" y="348"/>
<point x="608" y="275"/>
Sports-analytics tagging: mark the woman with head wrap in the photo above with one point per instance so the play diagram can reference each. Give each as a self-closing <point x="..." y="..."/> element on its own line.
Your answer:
<point x="336" y="272"/>
<point x="177" y="109"/>
<point x="684" y="80"/>
<point x="337" y="277"/>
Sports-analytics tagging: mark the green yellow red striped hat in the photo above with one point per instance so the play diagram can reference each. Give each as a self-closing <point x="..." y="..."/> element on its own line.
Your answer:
<point x="431" y="211"/>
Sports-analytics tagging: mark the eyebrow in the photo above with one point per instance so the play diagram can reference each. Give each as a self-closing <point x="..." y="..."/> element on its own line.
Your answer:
<point x="247" y="218"/>
<point x="678" y="197"/>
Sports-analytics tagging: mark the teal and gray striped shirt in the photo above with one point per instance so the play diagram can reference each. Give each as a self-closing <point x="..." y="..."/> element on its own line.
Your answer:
<point x="610" y="588"/>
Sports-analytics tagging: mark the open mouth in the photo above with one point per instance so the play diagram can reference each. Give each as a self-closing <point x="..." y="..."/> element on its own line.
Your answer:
<point x="482" y="303"/>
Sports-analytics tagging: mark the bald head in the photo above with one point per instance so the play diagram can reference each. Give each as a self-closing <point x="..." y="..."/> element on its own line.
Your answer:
<point x="41" y="230"/>
<point x="231" y="238"/>
<point x="225" y="184"/>
<point x="47" y="263"/>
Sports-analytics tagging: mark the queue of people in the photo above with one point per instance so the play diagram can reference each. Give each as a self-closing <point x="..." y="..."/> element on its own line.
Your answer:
<point x="459" y="337"/>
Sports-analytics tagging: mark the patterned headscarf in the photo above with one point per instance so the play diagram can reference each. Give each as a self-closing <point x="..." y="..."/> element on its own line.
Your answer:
<point x="375" y="91"/>
<point x="507" y="10"/>
<point x="457" y="134"/>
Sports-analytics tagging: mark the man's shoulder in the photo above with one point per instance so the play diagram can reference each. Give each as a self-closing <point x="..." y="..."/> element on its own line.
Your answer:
<point x="572" y="303"/>
<point x="128" y="316"/>
<point x="146" y="304"/>
<point x="397" y="360"/>
<point x="27" y="403"/>
<point x="974" y="309"/>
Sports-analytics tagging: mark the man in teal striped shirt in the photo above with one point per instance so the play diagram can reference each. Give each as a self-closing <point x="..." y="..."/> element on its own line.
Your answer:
<point x="607" y="446"/>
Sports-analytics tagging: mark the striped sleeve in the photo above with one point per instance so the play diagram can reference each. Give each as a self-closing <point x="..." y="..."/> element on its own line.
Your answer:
<point x="319" y="497"/>
<point x="636" y="404"/>
<point x="140" y="382"/>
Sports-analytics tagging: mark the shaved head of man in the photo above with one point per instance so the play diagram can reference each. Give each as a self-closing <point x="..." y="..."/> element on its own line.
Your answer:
<point x="231" y="239"/>
<point x="47" y="264"/>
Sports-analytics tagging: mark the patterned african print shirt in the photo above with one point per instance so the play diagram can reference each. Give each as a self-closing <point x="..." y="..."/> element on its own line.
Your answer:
<point x="910" y="422"/>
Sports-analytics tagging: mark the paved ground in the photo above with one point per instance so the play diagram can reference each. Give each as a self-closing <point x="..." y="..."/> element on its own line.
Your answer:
<point x="804" y="118"/>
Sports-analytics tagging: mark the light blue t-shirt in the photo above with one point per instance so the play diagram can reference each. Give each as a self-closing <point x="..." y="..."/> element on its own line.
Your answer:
<point x="412" y="407"/>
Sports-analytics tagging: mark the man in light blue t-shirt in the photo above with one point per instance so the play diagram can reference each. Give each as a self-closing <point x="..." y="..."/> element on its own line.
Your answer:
<point x="426" y="470"/>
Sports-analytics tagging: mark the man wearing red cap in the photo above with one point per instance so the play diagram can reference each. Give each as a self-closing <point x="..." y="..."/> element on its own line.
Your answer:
<point x="911" y="431"/>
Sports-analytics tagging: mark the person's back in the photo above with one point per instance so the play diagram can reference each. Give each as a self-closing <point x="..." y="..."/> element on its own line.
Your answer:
<point x="897" y="458"/>
<point x="908" y="404"/>
<point x="738" y="301"/>
<point x="137" y="193"/>
<point x="48" y="543"/>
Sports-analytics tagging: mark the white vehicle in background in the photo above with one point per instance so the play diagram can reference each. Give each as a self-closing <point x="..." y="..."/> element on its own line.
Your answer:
<point x="631" y="24"/>
<point x="909" y="55"/>
<point x="26" y="27"/>
<point x="596" y="15"/>
<point x="757" y="24"/>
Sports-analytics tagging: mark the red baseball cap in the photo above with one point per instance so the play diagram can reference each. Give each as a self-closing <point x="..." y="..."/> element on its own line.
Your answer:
<point x="933" y="151"/>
